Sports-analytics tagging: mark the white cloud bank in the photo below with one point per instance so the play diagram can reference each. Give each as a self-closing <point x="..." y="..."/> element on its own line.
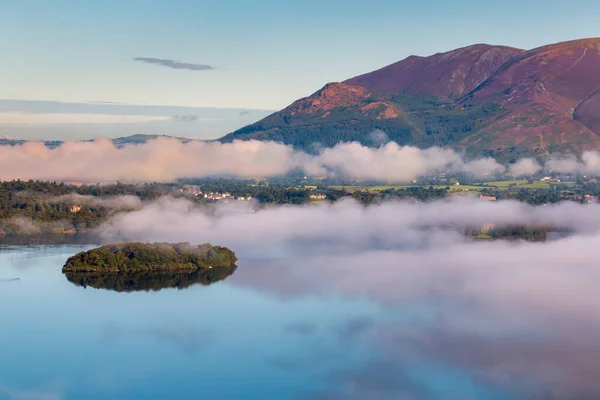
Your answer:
<point x="167" y="159"/>
<point x="163" y="159"/>
<point x="525" y="166"/>
<point x="395" y="163"/>
<point x="588" y="164"/>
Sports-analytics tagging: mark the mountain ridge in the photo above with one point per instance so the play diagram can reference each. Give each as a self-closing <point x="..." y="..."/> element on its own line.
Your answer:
<point x="465" y="63"/>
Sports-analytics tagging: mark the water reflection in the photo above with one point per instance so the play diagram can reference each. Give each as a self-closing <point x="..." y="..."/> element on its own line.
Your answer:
<point x="475" y="320"/>
<point x="493" y="320"/>
<point x="149" y="280"/>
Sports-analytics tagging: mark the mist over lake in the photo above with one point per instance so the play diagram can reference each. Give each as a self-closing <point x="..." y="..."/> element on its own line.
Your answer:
<point x="421" y="315"/>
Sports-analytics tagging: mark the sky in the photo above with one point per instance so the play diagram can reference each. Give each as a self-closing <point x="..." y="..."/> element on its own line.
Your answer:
<point x="235" y="54"/>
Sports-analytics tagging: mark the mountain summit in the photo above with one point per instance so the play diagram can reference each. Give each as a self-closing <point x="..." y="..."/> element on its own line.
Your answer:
<point x="487" y="100"/>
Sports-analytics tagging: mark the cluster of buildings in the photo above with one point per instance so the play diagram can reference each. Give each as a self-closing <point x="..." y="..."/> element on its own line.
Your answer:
<point x="214" y="196"/>
<point x="550" y="179"/>
<point x="224" y="196"/>
<point x="486" y="228"/>
<point x="585" y="199"/>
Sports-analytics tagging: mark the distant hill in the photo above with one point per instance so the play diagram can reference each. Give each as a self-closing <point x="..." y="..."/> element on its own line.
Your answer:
<point x="141" y="139"/>
<point x="487" y="100"/>
<point x="14" y="142"/>
<point x="121" y="141"/>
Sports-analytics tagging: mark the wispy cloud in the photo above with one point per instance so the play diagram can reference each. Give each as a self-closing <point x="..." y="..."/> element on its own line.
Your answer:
<point x="174" y="64"/>
<point x="187" y="118"/>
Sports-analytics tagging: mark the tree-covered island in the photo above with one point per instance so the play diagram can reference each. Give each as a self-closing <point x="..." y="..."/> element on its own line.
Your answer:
<point x="129" y="257"/>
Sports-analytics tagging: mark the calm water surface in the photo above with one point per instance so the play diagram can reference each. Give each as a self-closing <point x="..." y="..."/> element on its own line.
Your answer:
<point x="261" y="333"/>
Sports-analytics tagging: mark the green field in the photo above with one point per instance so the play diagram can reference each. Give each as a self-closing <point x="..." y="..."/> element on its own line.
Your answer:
<point x="520" y="183"/>
<point x="368" y="188"/>
<point x="462" y="188"/>
<point x="523" y="184"/>
<point x="377" y="188"/>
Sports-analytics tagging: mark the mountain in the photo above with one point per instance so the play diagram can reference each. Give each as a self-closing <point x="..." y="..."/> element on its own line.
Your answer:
<point x="550" y="96"/>
<point x="487" y="100"/>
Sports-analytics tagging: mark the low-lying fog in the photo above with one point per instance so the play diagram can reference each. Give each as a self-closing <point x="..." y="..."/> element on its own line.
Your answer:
<point x="520" y="316"/>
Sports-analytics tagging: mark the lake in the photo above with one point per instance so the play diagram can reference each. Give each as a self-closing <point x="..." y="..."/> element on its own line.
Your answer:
<point x="277" y="328"/>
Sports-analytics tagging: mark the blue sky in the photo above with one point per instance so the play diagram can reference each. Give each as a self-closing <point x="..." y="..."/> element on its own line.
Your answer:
<point x="266" y="53"/>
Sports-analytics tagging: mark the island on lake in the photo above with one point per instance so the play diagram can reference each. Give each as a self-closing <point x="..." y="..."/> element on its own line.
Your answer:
<point x="130" y="267"/>
<point x="130" y="257"/>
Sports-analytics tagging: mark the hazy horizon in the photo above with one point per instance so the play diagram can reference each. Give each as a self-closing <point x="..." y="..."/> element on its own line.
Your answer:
<point x="53" y="120"/>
